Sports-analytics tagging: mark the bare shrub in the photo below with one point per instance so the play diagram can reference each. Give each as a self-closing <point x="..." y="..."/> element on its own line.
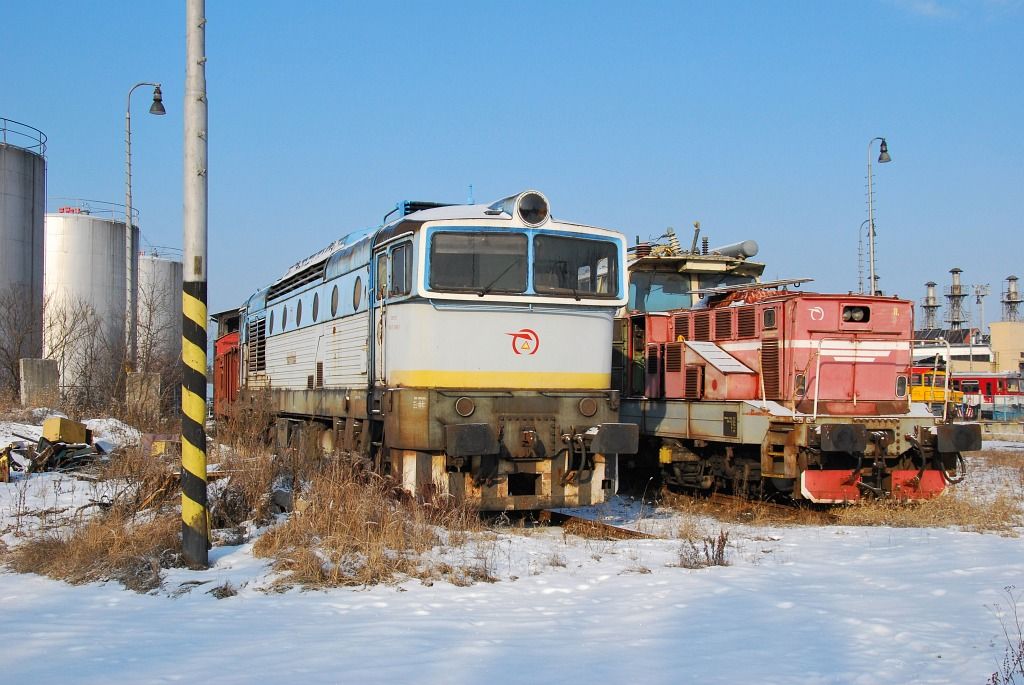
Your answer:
<point x="711" y="553"/>
<point x="1011" y="670"/>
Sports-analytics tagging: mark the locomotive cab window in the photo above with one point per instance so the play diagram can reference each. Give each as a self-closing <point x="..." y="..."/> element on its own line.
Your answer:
<point x="381" y="287"/>
<point x="768" y="319"/>
<point x="401" y="270"/>
<point x="478" y="262"/>
<point x="573" y="266"/>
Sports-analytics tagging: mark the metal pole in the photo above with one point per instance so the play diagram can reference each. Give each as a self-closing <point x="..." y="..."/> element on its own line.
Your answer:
<point x="195" y="533"/>
<point x="871" y="228"/>
<point x="130" y="316"/>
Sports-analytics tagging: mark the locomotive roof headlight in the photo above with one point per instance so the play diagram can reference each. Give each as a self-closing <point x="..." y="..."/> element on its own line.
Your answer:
<point x="465" y="406"/>
<point x="530" y="207"/>
<point x="856" y="314"/>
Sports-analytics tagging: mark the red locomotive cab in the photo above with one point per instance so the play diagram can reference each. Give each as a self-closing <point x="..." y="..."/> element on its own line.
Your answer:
<point x="848" y="355"/>
<point x="225" y="373"/>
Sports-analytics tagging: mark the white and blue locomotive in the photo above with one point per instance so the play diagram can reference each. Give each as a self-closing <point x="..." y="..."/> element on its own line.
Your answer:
<point x="462" y="349"/>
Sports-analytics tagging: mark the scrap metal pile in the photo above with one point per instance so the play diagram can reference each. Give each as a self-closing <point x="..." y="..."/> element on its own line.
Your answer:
<point x="64" y="445"/>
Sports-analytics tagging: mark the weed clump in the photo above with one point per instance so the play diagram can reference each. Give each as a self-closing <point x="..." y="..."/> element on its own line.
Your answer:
<point x="711" y="553"/>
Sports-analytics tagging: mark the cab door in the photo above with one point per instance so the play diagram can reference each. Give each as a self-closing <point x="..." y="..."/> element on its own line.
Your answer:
<point x="381" y="284"/>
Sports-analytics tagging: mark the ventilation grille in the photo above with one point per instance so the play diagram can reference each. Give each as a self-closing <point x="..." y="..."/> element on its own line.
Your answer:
<point x="770" y="368"/>
<point x="723" y="324"/>
<point x="673" y="357"/>
<point x="692" y="389"/>
<point x="652" y="359"/>
<point x="296" y="281"/>
<point x="702" y="327"/>
<point x="319" y="374"/>
<point x="257" y="337"/>
<point x="746" y="322"/>
<point x="681" y="327"/>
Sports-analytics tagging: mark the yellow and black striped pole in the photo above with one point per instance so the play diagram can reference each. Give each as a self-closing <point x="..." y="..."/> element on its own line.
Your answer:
<point x="195" y="533"/>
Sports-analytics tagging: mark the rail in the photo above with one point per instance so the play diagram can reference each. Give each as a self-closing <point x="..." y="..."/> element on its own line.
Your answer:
<point x="100" y="208"/>
<point x="856" y="348"/>
<point x="11" y="130"/>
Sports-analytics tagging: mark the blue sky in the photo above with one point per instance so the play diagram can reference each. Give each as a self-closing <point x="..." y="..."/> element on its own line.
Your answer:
<point x="751" y="117"/>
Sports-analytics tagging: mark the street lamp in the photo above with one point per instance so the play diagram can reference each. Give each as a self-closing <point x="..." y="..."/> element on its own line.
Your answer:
<point x="130" y="314"/>
<point x="883" y="157"/>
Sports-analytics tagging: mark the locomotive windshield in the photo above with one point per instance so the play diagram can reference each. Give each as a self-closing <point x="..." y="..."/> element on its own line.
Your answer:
<point x="478" y="262"/>
<point x="572" y="266"/>
<point x="492" y="262"/>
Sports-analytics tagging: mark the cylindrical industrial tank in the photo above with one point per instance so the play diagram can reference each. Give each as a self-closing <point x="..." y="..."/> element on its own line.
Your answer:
<point x="86" y="293"/>
<point x="22" y="206"/>
<point x="159" y="311"/>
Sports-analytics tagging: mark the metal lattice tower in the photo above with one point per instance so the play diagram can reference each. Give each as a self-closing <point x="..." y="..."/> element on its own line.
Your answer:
<point x="955" y="315"/>
<point x="1011" y="300"/>
<point x="930" y="305"/>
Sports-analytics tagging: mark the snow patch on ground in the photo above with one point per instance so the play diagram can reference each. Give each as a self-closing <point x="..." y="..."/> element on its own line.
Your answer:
<point x="808" y="604"/>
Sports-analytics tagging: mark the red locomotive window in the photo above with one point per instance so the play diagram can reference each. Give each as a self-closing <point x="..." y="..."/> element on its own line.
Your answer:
<point x="901" y="386"/>
<point x="768" y="318"/>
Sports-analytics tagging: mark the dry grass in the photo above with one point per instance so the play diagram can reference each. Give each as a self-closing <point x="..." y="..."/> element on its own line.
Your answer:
<point x="1000" y="513"/>
<point x="738" y="510"/>
<point x="114" y="545"/>
<point x="356" y="530"/>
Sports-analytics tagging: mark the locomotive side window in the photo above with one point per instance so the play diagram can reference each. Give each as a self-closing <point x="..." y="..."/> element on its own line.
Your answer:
<point x="768" y="319"/>
<point x="270" y="327"/>
<point x="401" y="271"/>
<point x="284" y="317"/>
<point x="334" y="300"/>
<point x="573" y="266"/>
<point x="901" y="386"/>
<point x="357" y="295"/>
<point x="478" y="262"/>
<point x="382" y="276"/>
<point x="316" y="306"/>
<point x="298" y="313"/>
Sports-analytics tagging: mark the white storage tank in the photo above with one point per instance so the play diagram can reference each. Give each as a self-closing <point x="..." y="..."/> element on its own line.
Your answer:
<point x="86" y="295"/>
<point x="158" y="307"/>
<point x="22" y="206"/>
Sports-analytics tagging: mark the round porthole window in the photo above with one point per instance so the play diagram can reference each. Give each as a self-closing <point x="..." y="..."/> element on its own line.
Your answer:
<point x="316" y="306"/>
<point x="284" y="317"/>
<point x="334" y="301"/>
<point x="270" y="327"/>
<point x="357" y="293"/>
<point x="298" y="313"/>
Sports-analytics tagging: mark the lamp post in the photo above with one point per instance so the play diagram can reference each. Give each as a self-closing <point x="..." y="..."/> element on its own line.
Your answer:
<point x="129" y="250"/>
<point x="860" y="256"/>
<point x="883" y="157"/>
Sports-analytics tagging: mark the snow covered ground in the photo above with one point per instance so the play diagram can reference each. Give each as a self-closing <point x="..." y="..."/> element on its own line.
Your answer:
<point x="797" y="604"/>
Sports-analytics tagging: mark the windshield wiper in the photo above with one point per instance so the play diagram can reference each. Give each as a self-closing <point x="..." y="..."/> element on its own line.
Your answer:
<point x="487" y="288"/>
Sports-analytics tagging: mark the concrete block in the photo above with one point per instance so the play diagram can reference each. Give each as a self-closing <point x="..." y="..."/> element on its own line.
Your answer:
<point x="39" y="382"/>
<point x="142" y="394"/>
